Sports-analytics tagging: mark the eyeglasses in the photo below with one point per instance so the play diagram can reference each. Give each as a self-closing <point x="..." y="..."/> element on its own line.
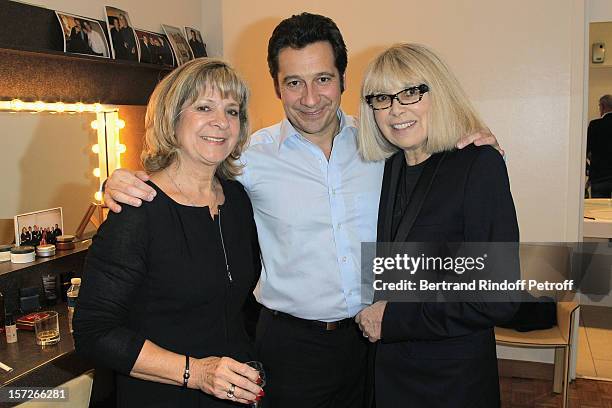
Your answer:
<point x="407" y="96"/>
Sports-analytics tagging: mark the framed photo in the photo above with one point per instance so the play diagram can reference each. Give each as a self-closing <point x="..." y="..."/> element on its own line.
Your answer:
<point x="197" y="45"/>
<point x="179" y="44"/>
<point x="154" y="48"/>
<point x="124" y="43"/>
<point x="31" y="228"/>
<point x="83" y="35"/>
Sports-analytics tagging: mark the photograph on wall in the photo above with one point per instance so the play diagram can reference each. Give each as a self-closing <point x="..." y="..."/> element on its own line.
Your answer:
<point x="124" y="43"/>
<point x="39" y="227"/>
<point x="179" y="44"/>
<point x="154" y="48"/>
<point x="83" y="35"/>
<point x="197" y="45"/>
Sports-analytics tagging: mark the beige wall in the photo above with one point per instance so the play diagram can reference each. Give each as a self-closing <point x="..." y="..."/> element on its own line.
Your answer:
<point x="600" y="75"/>
<point x="145" y="14"/>
<point x="212" y="26"/>
<point x="515" y="59"/>
<point x="599" y="10"/>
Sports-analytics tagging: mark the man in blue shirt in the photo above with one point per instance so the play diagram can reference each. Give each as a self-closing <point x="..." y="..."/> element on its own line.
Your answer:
<point x="315" y="200"/>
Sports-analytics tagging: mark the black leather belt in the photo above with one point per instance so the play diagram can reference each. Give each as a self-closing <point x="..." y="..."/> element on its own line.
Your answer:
<point x="327" y="326"/>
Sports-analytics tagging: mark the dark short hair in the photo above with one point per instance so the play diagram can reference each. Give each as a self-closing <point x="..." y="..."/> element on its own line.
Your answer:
<point x="304" y="29"/>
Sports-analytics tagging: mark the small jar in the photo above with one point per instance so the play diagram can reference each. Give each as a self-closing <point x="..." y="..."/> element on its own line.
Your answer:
<point x="22" y="254"/>
<point x="64" y="242"/>
<point x="5" y="253"/>
<point x="45" y="250"/>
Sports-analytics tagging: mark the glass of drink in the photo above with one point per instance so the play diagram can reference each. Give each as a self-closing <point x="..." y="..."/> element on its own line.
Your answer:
<point x="262" y="375"/>
<point x="47" y="329"/>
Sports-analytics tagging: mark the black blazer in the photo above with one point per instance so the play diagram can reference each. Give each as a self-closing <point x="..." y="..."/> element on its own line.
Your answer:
<point x="599" y="146"/>
<point x="438" y="355"/>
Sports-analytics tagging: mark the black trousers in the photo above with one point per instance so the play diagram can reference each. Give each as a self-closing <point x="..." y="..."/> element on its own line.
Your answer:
<point x="309" y="367"/>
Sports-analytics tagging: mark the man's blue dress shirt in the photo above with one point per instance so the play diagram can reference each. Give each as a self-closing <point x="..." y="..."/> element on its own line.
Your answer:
<point x="312" y="215"/>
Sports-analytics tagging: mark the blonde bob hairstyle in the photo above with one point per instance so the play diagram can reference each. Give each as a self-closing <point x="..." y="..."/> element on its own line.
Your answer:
<point x="179" y="89"/>
<point x="451" y="117"/>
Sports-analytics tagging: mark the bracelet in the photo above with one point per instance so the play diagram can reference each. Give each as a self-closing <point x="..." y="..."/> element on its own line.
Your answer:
<point x="186" y="372"/>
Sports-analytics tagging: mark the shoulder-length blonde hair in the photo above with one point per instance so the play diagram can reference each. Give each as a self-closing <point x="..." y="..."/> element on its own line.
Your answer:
<point x="452" y="116"/>
<point x="182" y="87"/>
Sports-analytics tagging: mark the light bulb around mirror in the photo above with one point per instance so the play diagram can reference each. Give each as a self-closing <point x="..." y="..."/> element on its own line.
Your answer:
<point x="17" y="104"/>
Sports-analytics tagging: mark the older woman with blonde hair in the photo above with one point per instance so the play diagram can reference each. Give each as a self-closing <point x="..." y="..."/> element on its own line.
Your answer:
<point x="413" y="112"/>
<point x="164" y="284"/>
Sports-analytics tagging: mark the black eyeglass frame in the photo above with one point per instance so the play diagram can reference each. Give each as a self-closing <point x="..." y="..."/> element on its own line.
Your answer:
<point x="423" y="88"/>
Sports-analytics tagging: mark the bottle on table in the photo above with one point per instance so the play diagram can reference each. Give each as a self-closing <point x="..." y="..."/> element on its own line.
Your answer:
<point x="72" y="295"/>
<point x="10" y="328"/>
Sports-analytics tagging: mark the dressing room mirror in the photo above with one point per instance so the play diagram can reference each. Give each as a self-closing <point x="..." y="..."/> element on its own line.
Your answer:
<point x="46" y="161"/>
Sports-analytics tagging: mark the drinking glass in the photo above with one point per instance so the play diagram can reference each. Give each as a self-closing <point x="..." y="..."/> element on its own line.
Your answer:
<point x="47" y="329"/>
<point x="262" y="375"/>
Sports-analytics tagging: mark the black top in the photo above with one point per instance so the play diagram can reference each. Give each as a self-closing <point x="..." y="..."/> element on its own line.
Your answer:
<point x="409" y="175"/>
<point x="158" y="272"/>
<point x="599" y="145"/>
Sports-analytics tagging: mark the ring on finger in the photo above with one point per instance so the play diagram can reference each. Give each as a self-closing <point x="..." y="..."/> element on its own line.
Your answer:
<point x="230" y="392"/>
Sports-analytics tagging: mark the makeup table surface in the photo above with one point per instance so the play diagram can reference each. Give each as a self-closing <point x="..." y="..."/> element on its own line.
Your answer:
<point x="597" y="218"/>
<point x="26" y="357"/>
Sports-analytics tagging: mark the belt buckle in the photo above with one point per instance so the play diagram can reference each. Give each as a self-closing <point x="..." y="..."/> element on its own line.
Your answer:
<point x="329" y="326"/>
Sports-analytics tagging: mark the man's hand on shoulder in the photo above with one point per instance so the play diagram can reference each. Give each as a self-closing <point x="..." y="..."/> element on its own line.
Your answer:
<point x="127" y="187"/>
<point x="481" y="138"/>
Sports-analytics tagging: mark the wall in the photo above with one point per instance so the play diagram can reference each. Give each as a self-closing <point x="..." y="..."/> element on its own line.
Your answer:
<point x="599" y="10"/>
<point x="144" y="14"/>
<point x="212" y="26"/>
<point x="515" y="60"/>
<point x="600" y="75"/>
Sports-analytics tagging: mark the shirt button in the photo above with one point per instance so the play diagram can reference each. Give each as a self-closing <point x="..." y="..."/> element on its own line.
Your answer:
<point x="344" y="259"/>
<point x="339" y="225"/>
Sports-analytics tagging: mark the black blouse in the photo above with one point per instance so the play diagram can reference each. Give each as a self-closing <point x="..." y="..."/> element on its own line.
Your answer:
<point x="158" y="272"/>
<point x="408" y="178"/>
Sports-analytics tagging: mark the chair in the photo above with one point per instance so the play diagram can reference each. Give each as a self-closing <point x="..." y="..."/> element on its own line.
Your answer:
<point x="79" y="393"/>
<point x="558" y="337"/>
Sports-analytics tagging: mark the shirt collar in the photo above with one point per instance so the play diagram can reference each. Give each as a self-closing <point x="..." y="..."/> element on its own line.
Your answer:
<point x="287" y="130"/>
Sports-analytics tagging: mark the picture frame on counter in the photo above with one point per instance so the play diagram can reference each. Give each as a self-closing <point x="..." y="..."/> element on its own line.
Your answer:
<point x="31" y="227"/>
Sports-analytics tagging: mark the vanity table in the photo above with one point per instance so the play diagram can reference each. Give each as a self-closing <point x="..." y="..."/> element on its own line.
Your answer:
<point x="597" y="218"/>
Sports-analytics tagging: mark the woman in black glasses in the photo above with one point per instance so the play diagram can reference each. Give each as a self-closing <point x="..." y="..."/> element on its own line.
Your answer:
<point x="413" y="112"/>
